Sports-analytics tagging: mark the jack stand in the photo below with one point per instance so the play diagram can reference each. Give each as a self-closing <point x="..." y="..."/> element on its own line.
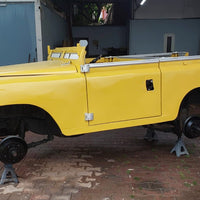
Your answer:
<point x="9" y="174"/>
<point x="180" y="148"/>
<point x="151" y="135"/>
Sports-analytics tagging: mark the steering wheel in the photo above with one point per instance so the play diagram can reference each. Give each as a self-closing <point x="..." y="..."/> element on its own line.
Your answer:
<point x="96" y="59"/>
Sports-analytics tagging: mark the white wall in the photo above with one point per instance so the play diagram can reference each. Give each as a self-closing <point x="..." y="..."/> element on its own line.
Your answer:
<point x="147" y="36"/>
<point x="168" y="9"/>
<point x="107" y="37"/>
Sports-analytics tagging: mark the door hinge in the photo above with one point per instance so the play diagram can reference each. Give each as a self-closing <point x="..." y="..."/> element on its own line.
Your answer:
<point x="89" y="116"/>
<point x="85" y="68"/>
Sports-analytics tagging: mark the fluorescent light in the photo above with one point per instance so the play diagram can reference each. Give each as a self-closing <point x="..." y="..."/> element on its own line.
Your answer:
<point x="142" y="2"/>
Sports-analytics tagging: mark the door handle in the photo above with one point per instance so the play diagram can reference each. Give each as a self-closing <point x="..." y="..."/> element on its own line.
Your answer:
<point x="149" y="85"/>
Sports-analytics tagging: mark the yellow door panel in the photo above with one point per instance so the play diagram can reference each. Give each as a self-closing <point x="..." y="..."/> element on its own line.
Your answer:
<point x="122" y="92"/>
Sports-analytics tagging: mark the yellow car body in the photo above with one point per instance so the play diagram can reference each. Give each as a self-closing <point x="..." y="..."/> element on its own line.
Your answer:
<point x="83" y="97"/>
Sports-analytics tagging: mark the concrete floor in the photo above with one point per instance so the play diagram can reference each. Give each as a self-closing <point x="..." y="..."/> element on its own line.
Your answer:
<point x="112" y="165"/>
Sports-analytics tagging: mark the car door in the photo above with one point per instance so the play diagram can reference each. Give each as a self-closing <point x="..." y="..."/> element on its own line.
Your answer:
<point x="122" y="91"/>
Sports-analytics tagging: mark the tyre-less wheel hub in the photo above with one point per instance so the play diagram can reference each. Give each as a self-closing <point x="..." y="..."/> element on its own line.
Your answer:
<point x="192" y="127"/>
<point x="12" y="150"/>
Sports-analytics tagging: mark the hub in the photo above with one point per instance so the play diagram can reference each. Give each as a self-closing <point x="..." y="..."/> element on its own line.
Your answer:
<point x="192" y="127"/>
<point x="12" y="150"/>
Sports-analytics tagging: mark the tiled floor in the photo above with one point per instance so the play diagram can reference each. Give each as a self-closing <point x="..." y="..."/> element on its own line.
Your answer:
<point x="112" y="165"/>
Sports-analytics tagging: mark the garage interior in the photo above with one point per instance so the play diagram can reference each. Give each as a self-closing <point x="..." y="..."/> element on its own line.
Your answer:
<point x="127" y="28"/>
<point x="112" y="165"/>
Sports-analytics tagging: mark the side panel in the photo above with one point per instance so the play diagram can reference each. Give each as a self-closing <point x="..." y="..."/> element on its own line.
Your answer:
<point x="17" y="33"/>
<point x="178" y="79"/>
<point x="62" y="96"/>
<point x="112" y="95"/>
<point x="120" y="93"/>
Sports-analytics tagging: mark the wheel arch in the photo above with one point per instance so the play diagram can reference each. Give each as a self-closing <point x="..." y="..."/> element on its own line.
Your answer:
<point x="190" y="106"/>
<point x="34" y="118"/>
<point x="192" y="97"/>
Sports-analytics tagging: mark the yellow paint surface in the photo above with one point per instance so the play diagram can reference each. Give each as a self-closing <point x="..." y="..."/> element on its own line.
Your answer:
<point x="117" y="95"/>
